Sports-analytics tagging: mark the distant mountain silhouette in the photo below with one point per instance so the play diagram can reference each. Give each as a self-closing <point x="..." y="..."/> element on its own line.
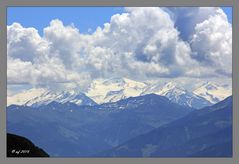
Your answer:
<point x="87" y="130"/>
<point x="206" y="132"/>
<point x="18" y="146"/>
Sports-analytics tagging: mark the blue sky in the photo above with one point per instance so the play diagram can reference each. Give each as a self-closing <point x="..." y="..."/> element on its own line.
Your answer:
<point x="84" y="18"/>
<point x="228" y="11"/>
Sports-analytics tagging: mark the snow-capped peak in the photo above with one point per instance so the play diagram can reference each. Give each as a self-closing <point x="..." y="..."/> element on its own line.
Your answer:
<point x="178" y="95"/>
<point x="44" y="96"/>
<point x="119" y="81"/>
<point x="165" y="89"/>
<point x="114" y="89"/>
<point x="210" y="86"/>
<point x="213" y="92"/>
<point x="171" y="89"/>
<point x="170" y="85"/>
<point x="26" y="95"/>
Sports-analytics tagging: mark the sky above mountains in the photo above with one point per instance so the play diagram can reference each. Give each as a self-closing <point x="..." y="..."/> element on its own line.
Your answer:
<point x="70" y="47"/>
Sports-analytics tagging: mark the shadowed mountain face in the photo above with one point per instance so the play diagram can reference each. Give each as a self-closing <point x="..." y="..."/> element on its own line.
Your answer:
<point x="206" y="132"/>
<point x="18" y="146"/>
<point x="68" y="130"/>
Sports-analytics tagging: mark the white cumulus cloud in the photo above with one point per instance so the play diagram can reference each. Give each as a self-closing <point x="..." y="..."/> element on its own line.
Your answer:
<point x="142" y="43"/>
<point x="212" y="43"/>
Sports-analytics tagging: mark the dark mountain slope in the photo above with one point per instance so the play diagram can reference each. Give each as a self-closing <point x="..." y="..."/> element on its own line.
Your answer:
<point x="18" y="146"/>
<point x="205" y="129"/>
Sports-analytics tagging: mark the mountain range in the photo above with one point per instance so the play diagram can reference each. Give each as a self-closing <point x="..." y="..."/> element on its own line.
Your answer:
<point x="71" y="130"/>
<point x="213" y="92"/>
<point x="41" y="96"/>
<point x="202" y="133"/>
<point x="125" y="118"/>
<point x="115" y="89"/>
<point x="178" y="95"/>
<point x="148" y="125"/>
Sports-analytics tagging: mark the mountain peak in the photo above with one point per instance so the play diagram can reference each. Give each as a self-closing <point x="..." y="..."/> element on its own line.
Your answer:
<point x="210" y="85"/>
<point x="114" y="89"/>
<point x="170" y="85"/>
<point x="178" y="95"/>
<point x="42" y="96"/>
<point x="122" y="81"/>
<point x="212" y="92"/>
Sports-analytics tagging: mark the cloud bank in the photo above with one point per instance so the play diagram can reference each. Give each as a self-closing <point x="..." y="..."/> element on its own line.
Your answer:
<point x="142" y="43"/>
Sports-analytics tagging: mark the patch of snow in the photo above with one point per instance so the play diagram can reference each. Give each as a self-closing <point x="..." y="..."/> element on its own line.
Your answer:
<point x="112" y="90"/>
<point x="213" y="92"/>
